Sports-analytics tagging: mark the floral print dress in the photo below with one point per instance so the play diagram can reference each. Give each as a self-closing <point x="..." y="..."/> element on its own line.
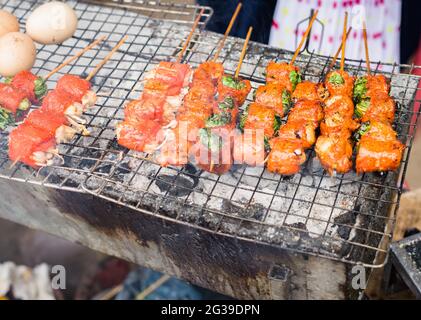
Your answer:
<point x="382" y="17"/>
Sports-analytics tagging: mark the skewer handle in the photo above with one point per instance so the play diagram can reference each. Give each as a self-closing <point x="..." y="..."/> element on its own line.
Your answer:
<point x="196" y="22"/>
<point x="77" y="55"/>
<point x="151" y="288"/>
<point x="303" y="39"/>
<point x="104" y="61"/>
<point x="14" y="163"/>
<point x="335" y="57"/>
<point x="227" y="32"/>
<point x="367" y="57"/>
<point x="243" y="52"/>
<point x="344" y="42"/>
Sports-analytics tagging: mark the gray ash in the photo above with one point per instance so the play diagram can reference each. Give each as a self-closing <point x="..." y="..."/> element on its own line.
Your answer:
<point x="177" y="186"/>
<point x="414" y="251"/>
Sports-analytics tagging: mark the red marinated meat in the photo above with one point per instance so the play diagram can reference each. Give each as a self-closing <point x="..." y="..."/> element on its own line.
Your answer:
<point x="25" y="140"/>
<point x="10" y="97"/>
<point x="25" y="81"/>
<point x="49" y="122"/>
<point x="135" y="135"/>
<point x="151" y="108"/>
<point x="57" y="101"/>
<point x="74" y="86"/>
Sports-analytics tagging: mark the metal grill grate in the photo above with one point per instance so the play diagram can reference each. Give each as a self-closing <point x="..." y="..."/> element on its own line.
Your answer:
<point x="149" y="39"/>
<point x="342" y="218"/>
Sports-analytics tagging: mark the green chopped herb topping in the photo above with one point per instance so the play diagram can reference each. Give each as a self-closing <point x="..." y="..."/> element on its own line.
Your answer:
<point x="6" y="118"/>
<point x="267" y="144"/>
<point x="227" y="104"/>
<point x="243" y="119"/>
<point x="8" y="80"/>
<point x="295" y="78"/>
<point x="286" y="101"/>
<point x="218" y="120"/>
<point x="360" y="89"/>
<point x="211" y="141"/>
<point x="24" y="104"/>
<point x="40" y="88"/>
<point x="236" y="84"/>
<point x="336" y="79"/>
<point x="362" y="107"/>
<point x="276" y="123"/>
<point x="363" y="129"/>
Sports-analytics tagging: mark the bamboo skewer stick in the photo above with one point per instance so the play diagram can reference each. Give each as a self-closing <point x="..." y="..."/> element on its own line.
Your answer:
<point x="297" y="51"/>
<point x="243" y="52"/>
<point x="14" y="163"/>
<point x="237" y="72"/>
<point x="344" y="42"/>
<point x="196" y="22"/>
<point x="367" y="57"/>
<point x="111" y="293"/>
<point x="227" y="32"/>
<point x="77" y="55"/>
<point x="152" y="287"/>
<point x="104" y="61"/>
<point x="97" y="68"/>
<point x="335" y="57"/>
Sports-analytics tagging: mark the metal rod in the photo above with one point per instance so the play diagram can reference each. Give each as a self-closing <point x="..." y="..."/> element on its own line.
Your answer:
<point x="297" y="51"/>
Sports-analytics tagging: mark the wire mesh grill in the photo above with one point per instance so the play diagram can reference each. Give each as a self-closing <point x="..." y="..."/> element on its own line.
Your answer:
<point x="342" y="218"/>
<point x="148" y="40"/>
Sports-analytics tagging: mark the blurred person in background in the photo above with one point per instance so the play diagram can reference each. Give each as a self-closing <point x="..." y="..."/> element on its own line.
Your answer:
<point x="393" y="27"/>
<point x="255" y="13"/>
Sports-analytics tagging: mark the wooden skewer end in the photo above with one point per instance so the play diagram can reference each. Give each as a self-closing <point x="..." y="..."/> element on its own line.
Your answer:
<point x="195" y="24"/>
<point x="297" y="51"/>
<point x="108" y="57"/>
<point x="77" y="55"/>
<point x="243" y="52"/>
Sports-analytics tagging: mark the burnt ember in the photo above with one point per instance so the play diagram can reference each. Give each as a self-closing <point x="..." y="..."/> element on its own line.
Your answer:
<point x="344" y="222"/>
<point x="177" y="186"/>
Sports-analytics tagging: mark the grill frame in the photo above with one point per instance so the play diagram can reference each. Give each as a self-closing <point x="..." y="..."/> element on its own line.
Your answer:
<point x="61" y="177"/>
